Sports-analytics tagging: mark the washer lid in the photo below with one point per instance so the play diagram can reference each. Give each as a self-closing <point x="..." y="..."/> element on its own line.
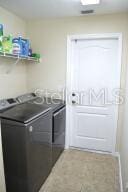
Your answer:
<point x="25" y="113"/>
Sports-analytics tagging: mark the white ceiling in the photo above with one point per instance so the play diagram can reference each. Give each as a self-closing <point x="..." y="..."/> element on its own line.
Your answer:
<point x="33" y="9"/>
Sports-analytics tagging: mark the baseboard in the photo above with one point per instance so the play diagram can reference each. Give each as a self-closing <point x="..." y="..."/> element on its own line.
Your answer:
<point x="117" y="154"/>
<point x="90" y="151"/>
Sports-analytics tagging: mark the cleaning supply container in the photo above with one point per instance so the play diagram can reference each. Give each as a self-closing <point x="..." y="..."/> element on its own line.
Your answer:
<point x="17" y="46"/>
<point x="36" y="55"/>
<point x="30" y="52"/>
<point x="7" y="44"/>
<point x="25" y="47"/>
<point x="1" y="47"/>
<point x="21" y="47"/>
<point x="1" y="30"/>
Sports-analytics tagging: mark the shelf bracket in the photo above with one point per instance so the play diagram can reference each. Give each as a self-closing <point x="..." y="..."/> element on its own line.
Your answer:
<point x="14" y="64"/>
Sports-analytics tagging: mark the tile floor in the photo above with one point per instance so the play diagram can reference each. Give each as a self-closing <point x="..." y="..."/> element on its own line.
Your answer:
<point x="78" y="171"/>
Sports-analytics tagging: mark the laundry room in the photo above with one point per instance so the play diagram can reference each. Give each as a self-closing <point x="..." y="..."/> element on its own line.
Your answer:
<point x="63" y="96"/>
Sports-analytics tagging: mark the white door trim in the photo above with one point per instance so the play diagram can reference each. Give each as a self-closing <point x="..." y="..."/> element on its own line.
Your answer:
<point x="70" y="38"/>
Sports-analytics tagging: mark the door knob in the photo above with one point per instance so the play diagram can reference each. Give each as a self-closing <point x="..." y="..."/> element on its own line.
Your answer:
<point x="73" y="94"/>
<point x="73" y="102"/>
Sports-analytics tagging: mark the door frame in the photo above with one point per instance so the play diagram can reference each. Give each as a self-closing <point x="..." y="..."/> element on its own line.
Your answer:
<point x="70" y="38"/>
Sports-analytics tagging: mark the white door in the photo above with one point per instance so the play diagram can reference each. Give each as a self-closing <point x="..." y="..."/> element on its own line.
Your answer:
<point x="95" y="84"/>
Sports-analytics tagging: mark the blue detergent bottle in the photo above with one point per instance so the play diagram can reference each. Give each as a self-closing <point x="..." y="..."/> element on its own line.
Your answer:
<point x="25" y="47"/>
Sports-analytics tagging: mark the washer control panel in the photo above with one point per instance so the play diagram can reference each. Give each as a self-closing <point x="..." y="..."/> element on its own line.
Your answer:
<point x="7" y="103"/>
<point x="26" y="97"/>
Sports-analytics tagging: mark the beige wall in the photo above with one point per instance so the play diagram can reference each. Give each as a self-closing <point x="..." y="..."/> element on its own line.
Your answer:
<point x="124" y="148"/>
<point x="124" y="141"/>
<point x="49" y="37"/>
<point x="13" y="83"/>
<point x="124" y="138"/>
